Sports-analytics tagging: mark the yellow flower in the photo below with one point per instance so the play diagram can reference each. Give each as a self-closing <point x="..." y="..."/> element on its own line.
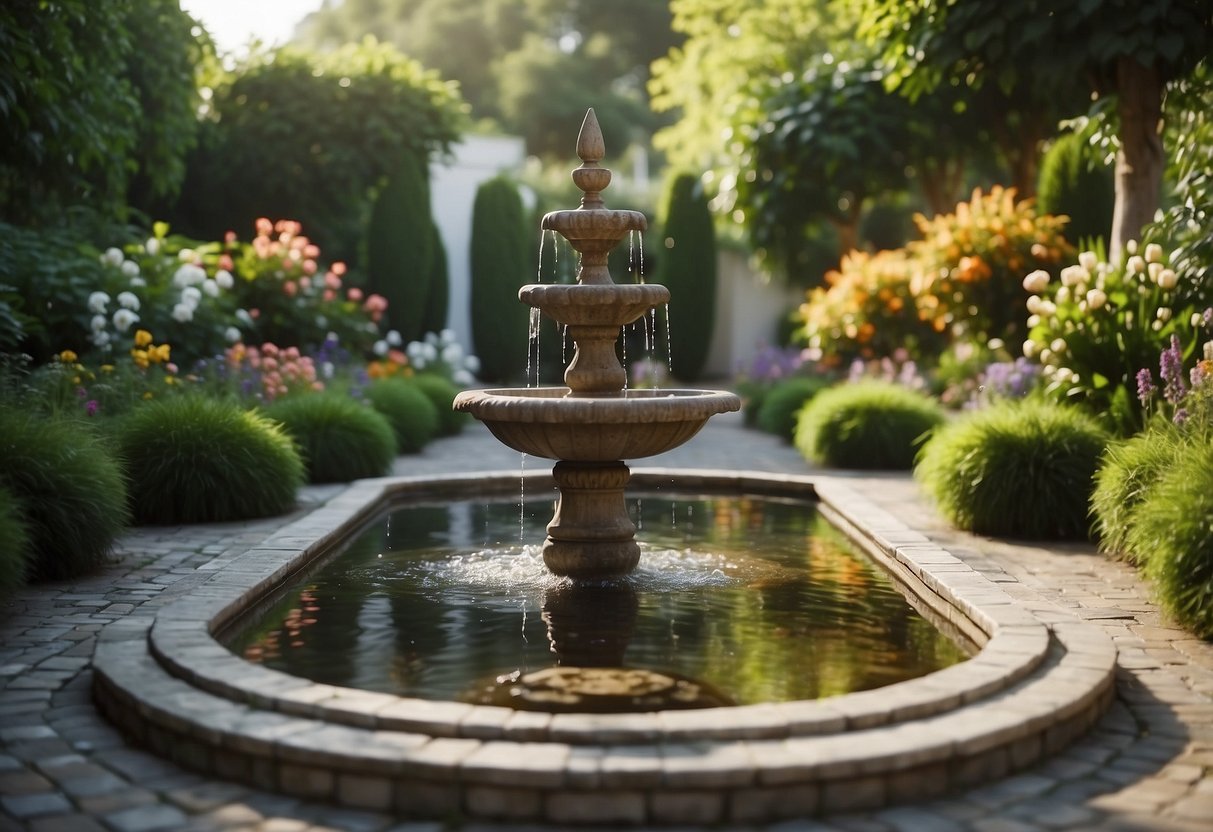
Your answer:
<point x="140" y="358"/>
<point x="68" y="357"/>
<point x="147" y="395"/>
<point x="170" y="380"/>
<point x="107" y="368"/>
<point x="162" y="353"/>
<point x="142" y="338"/>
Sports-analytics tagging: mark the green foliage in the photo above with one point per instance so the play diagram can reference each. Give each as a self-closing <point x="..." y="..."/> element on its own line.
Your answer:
<point x="866" y="425"/>
<point x="308" y="136"/>
<point x="779" y="406"/>
<point x="1173" y="532"/>
<point x="1126" y="476"/>
<point x="69" y="488"/>
<point x="1188" y="223"/>
<point x="1074" y="184"/>
<point x="688" y="269"/>
<point x="499" y="267"/>
<point x="94" y="95"/>
<point x="192" y="459"/>
<point x="340" y="439"/>
<point x="411" y="413"/>
<point x="400" y="247"/>
<point x="438" y="299"/>
<point x="16" y="549"/>
<point x="441" y="391"/>
<point x="1022" y="469"/>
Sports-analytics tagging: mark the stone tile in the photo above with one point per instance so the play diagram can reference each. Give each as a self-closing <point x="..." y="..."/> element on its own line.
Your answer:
<point x="146" y="818"/>
<point x="34" y="805"/>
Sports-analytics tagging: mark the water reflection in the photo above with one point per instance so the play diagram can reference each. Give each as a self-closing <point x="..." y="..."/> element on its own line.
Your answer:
<point x="756" y="598"/>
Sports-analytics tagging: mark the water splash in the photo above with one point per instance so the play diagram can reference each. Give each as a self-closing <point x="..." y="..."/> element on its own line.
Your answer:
<point x="532" y="345"/>
<point x="669" y="340"/>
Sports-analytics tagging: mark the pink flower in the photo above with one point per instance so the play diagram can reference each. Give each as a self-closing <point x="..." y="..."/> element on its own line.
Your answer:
<point x="305" y="282"/>
<point x="338" y="268"/>
<point x="269" y="364"/>
<point x="269" y="348"/>
<point x="354" y="294"/>
<point x="331" y="280"/>
<point x="225" y="262"/>
<point x="229" y="237"/>
<point x="309" y="266"/>
<point x="329" y="295"/>
<point x="264" y="226"/>
<point x="311" y="250"/>
<point x="290" y="354"/>
<point x="291" y="288"/>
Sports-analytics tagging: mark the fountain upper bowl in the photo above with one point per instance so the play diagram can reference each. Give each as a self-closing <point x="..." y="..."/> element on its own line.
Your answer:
<point x="554" y="423"/>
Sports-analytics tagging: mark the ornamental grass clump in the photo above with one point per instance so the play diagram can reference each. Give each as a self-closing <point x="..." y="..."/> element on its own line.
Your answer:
<point x="781" y="403"/>
<point x="1125" y="478"/>
<point x="192" y="459"/>
<point x="1016" y="469"/>
<point x="1172" y="534"/>
<point x="70" y="490"/>
<point x="412" y="415"/>
<point x="341" y="439"/>
<point x="442" y="393"/>
<point x="866" y="425"/>
<point x="16" y="548"/>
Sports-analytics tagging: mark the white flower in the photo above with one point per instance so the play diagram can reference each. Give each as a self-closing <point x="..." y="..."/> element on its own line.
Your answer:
<point x="231" y="334"/>
<point x="1048" y="309"/>
<point x="431" y="338"/>
<point x="211" y="288"/>
<point x="101" y="338"/>
<point x="1036" y="281"/>
<point x="464" y="378"/>
<point x="452" y="354"/>
<point x="1096" y="298"/>
<point x="1195" y="320"/>
<point x="152" y="246"/>
<point x="1063" y="294"/>
<point x="1033" y="320"/>
<point x="1088" y="260"/>
<point x="224" y="278"/>
<point x="123" y="319"/>
<point x="327" y="369"/>
<point x="1208" y="350"/>
<point x="1163" y="314"/>
<point x="381" y="347"/>
<point x="1137" y="264"/>
<point x="1058" y="345"/>
<point x="137" y="283"/>
<point x="429" y="352"/>
<point x="447" y="335"/>
<point x="128" y="300"/>
<point x="471" y="363"/>
<point x="1046" y="356"/>
<point x="186" y="255"/>
<point x="1131" y="246"/>
<point x="190" y="296"/>
<point x="183" y="313"/>
<point x="413" y="350"/>
<point x="393" y="338"/>
<point x="1073" y="274"/>
<point x="1034" y="304"/>
<point x="1167" y="279"/>
<point x="244" y="317"/>
<point x="112" y="257"/>
<point x="1153" y="253"/>
<point x="97" y="302"/>
<point x="130" y="268"/>
<point x="1154" y="269"/>
<point x="187" y="275"/>
<point x="1029" y="348"/>
<point x="98" y="323"/>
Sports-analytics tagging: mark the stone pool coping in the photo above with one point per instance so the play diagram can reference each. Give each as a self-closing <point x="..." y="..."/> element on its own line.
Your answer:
<point x="1030" y="689"/>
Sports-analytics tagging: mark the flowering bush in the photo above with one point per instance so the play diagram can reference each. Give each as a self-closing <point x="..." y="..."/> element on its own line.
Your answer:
<point x="442" y="354"/>
<point x="1101" y="322"/>
<point x="288" y="298"/>
<point x="968" y="264"/>
<point x="1186" y="397"/>
<point x="265" y="373"/>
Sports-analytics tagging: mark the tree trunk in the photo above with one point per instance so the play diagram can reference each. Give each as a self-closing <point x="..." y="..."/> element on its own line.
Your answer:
<point x="1140" y="160"/>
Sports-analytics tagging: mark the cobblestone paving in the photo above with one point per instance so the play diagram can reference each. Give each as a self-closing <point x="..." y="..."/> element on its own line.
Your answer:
<point x="1146" y="767"/>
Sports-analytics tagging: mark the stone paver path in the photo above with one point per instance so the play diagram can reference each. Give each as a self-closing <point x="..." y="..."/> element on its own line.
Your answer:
<point x="1146" y="767"/>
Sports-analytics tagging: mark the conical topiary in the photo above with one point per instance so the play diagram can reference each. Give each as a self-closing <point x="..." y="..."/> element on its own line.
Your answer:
<point x="687" y="267"/>
<point x="437" y="304"/>
<point x="1074" y="184"/>
<point x="499" y="265"/>
<point x="399" y="247"/>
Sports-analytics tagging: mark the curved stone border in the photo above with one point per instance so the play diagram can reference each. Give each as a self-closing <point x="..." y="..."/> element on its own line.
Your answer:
<point x="1030" y="689"/>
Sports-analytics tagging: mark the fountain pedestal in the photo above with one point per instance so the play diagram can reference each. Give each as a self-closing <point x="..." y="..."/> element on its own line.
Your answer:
<point x="594" y="424"/>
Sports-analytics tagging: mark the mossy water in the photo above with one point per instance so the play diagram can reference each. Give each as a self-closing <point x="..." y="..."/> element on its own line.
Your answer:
<point x="756" y="599"/>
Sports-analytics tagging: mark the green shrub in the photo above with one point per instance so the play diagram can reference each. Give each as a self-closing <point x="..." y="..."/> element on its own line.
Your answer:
<point x="71" y="490"/>
<point x="1020" y="469"/>
<point x="438" y="298"/>
<point x="1172" y="532"/>
<point x="1074" y="183"/>
<point x="442" y="393"/>
<point x="412" y="415"/>
<point x="15" y="550"/>
<point x="687" y="267"/>
<point x="777" y="408"/>
<point x="1125" y="477"/>
<point x="192" y="459"/>
<point x="500" y="265"/>
<point x="866" y="424"/>
<point x="399" y="246"/>
<point x="341" y="439"/>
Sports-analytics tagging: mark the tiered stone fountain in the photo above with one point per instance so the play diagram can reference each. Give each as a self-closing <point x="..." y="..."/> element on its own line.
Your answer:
<point x="591" y="426"/>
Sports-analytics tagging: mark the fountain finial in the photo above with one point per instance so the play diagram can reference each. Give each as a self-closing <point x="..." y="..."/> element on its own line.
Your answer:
<point x="590" y="177"/>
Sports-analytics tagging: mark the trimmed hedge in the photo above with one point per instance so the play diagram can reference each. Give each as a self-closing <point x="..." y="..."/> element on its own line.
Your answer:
<point x="339" y="438"/>
<point x="866" y="425"/>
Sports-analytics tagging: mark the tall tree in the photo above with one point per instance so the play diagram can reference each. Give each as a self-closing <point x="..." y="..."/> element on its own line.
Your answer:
<point x="1122" y="47"/>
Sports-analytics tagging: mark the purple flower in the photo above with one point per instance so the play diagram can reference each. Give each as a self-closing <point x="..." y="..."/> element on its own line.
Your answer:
<point x="91" y="407"/>
<point x="1180" y="416"/>
<point x="1171" y="368"/>
<point x="1145" y="386"/>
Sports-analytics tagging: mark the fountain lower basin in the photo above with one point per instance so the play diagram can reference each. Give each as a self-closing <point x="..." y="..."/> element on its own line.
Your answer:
<point x="552" y="423"/>
<point x="1036" y="684"/>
